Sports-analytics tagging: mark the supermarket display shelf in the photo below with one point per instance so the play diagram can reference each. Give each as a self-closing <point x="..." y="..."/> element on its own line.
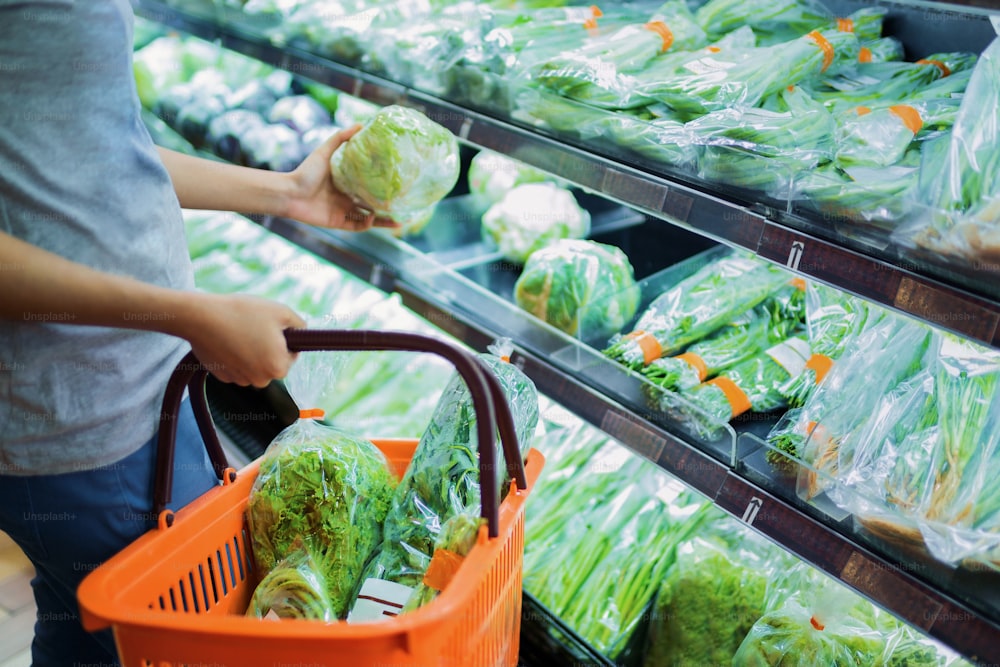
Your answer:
<point x="942" y="604"/>
<point x="959" y="610"/>
<point x="922" y="287"/>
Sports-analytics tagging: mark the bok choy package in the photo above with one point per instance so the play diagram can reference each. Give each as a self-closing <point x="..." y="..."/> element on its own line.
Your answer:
<point x="435" y="510"/>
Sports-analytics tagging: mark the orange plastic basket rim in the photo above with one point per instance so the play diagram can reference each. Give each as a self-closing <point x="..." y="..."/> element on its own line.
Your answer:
<point x="99" y="608"/>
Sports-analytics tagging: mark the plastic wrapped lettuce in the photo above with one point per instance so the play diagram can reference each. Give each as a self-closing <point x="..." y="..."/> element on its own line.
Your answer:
<point x="531" y="216"/>
<point x="294" y="588"/>
<point x="492" y="175"/>
<point x="584" y="288"/>
<point x="399" y="165"/>
<point x="319" y="489"/>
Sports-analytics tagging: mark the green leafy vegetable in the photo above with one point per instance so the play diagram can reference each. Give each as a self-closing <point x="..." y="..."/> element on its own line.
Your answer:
<point x="582" y="287"/>
<point x="531" y="216"/>
<point x="399" y="165"/>
<point x="442" y="480"/>
<point x="750" y="333"/>
<point x="833" y="318"/>
<point x="705" y="606"/>
<point x="331" y="491"/>
<point x="695" y="307"/>
<point x="492" y="175"/>
<point x="294" y="588"/>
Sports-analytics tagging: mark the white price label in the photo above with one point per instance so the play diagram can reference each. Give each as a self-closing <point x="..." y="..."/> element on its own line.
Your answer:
<point x="791" y="355"/>
<point x="379" y="600"/>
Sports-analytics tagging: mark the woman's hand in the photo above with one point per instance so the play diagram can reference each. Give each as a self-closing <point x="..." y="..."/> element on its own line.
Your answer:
<point x="316" y="201"/>
<point x="240" y="339"/>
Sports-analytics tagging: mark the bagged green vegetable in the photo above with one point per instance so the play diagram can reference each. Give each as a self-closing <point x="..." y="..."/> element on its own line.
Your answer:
<point x="962" y="192"/>
<point x="749" y="386"/>
<point x="695" y="307"/>
<point x="833" y="318"/>
<point x="441" y="483"/>
<point x="706" y="605"/>
<point x="320" y="489"/>
<point x="399" y="165"/>
<point x="584" y="288"/>
<point x="294" y="588"/>
<point x="530" y="216"/>
<point x="750" y="333"/>
<point x="820" y="625"/>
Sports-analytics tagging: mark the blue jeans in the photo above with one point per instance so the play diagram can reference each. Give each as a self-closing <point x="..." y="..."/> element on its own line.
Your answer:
<point x="69" y="524"/>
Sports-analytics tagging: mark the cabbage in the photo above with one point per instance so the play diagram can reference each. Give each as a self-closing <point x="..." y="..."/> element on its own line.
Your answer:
<point x="584" y="288"/>
<point x="399" y="165"/>
<point x="492" y="175"/>
<point x="531" y="216"/>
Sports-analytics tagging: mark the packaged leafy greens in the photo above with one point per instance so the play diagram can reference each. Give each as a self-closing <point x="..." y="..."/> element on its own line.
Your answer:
<point x="773" y="20"/>
<point x="294" y="588"/>
<point x="962" y="190"/>
<point x="822" y="624"/>
<point x="764" y="325"/>
<point x="695" y="307"/>
<point x="832" y="319"/>
<point x="710" y="598"/>
<point x="322" y="490"/>
<point x="399" y="165"/>
<point x="441" y="483"/>
<point x="749" y="386"/>
<point x="531" y="216"/>
<point x="582" y="287"/>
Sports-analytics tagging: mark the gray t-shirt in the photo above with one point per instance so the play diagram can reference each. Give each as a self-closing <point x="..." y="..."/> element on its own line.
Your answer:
<point x="80" y="177"/>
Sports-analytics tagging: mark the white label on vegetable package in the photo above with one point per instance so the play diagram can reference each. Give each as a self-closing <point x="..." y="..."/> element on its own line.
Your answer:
<point x="379" y="600"/>
<point x="791" y="355"/>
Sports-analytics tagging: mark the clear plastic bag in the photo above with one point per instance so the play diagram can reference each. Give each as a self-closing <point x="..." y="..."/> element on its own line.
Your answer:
<point x="321" y="489"/>
<point x="531" y="216"/>
<point x="822" y="624"/>
<point x="294" y="588"/>
<point x="441" y="484"/>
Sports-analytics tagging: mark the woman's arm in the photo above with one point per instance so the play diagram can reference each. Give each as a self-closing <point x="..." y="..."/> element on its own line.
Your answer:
<point x="239" y="338"/>
<point x="306" y="194"/>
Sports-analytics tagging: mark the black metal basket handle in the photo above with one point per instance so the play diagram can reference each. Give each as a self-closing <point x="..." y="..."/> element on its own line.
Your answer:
<point x="488" y="401"/>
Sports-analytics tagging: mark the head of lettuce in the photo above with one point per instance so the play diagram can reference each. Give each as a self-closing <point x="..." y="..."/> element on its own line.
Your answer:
<point x="399" y="165"/>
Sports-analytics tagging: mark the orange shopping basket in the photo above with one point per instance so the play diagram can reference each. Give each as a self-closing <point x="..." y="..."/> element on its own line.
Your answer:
<point x="177" y="595"/>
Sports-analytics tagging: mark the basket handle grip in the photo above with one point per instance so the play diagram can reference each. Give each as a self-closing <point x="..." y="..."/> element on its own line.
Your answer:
<point x="488" y="400"/>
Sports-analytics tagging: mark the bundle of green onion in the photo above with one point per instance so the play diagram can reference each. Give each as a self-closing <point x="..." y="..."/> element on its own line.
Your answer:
<point x="751" y="332"/>
<point x="833" y="318"/>
<point x="695" y="307"/>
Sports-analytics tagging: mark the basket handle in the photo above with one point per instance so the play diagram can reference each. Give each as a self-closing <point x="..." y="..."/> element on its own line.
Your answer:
<point x="488" y="401"/>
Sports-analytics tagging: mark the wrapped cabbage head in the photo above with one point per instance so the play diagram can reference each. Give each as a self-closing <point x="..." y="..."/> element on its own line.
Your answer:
<point x="584" y="288"/>
<point x="531" y="216"/>
<point x="492" y="175"/>
<point x="399" y="165"/>
<point x="326" y="491"/>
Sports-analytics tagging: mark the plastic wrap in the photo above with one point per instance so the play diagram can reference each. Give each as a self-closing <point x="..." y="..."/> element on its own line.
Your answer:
<point x="774" y="20"/>
<point x="695" y="307"/>
<point x="751" y="332"/>
<point x="582" y="287"/>
<point x="492" y="175"/>
<point x="321" y="489"/>
<point x="833" y="319"/>
<point x="399" y="165"/>
<point x="963" y="197"/>
<point x="294" y="588"/>
<point x="531" y="216"/>
<point x="749" y="386"/>
<point x="880" y="137"/>
<point x="440" y="484"/>
<point x="823" y="624"/>
<point x="710" y="598"/>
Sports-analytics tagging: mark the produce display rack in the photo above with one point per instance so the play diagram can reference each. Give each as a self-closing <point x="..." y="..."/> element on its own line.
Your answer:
<point x="959" y="608"/>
